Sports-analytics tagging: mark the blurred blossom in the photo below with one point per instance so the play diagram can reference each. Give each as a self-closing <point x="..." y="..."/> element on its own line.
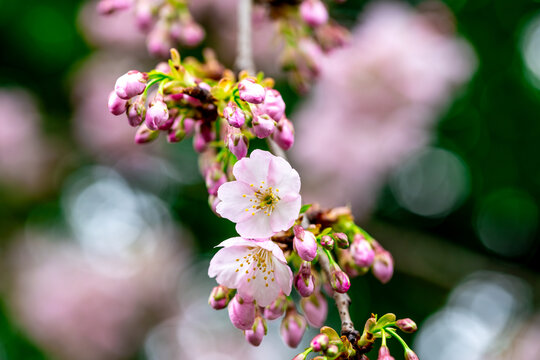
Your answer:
<point x="219" y="19"/>
<point x="377" y="100"/>
<point x="75" y="307"/>
<point x="112" y="32"/>
<point x="480" y="309"/>
<point x="25" y="155"/>
<point x="530" y="50"/>
<point x="431" y="183"/>
<point x="204" y="333"/>
<point x="507" y="222"/>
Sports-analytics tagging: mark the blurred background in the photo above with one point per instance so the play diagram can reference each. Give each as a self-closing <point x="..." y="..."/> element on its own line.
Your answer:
<point x="427" y="125"/>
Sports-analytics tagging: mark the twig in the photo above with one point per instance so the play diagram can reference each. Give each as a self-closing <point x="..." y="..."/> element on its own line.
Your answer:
<point x="244" y="58"/>
<point x="343" y="301"/>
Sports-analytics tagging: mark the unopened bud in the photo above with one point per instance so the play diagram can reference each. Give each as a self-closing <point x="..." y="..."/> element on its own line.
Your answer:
<point x="332" y="351"/>
<point x="315" y="309"/>
<point x="237" y="143"/>
<point x="319" y="342"/>
<point x="191" y="34"/>
<point x="145" y="135"/>
<point x="305" y="245"/>
<point x="304" y="280"/>
<point x="327" y="242"/>
<point x="292" y="328"/>
<point x="383" y="265"/>
<point x="283" y="135"/>
<point x="362" y="252"/>
<point x="342" y="241"/>
<point x="241" y="313"/>
<point x="157" y="114"/>
<point x="263" y="126"/>
<point x="234" y="115"/>
<point x="257" y="332"/>
<point x="313" y="12"/>
<point x="136" y="112"/>
<point x="384" y="353"/>
<point x="410" y="355"/>
<point x="214" y="178"/>
<point x="276" y="308"/>
<point x="250" y="91"/>
<point x="406" y="325"/>
<point x="117" y="105"/>
<point x="219" y="297"/>
<point x="340" y="281"/>
<point x="273" y="105"/>
<point x="130" y="84"/>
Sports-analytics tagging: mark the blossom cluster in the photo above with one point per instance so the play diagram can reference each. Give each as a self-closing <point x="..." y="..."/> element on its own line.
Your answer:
<point x="166" y="22"/>
<point x="281" y="244"/>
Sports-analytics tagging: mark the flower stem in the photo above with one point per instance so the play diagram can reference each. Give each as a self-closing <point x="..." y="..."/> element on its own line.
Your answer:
<point x="395" y="335"/>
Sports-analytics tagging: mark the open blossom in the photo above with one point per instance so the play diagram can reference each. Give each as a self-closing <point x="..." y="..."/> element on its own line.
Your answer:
<point x="257" y="269"/>
<point x="265" y="197"/>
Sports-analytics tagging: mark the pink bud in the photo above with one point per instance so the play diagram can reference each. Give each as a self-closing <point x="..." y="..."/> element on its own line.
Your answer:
<point x="342" y="241"/>
<point x="292" y="328"/>
<point x="257" y="332"/>
<point x="327" y="242"/>
<point x="107" y="7"/>
<point x="237" y="143"/>
<point x="406" y="325"/>
<point x="361" y="251"/>
<point x="191" y="34"/>
<point x="219" y="297"/>
<point x="305" y="247"/>
<point x="203" y="136"/>
<point x="319" y="342"/>
<point x="145" y="135"/>
<point x="215" y="177"/>
<point x="284" y="134"/>
<point x="263" y="126"/>
<point x="304" y="280"/>
<point x="276" y="308"/>
<point x="234" y="115"/>
<point x="250" y="91"/>
<point x="384" y="352"/>
<point x="315" y="309"/>
<point x="136" y="111"/>
<point x="130" y="84"/>
<point x="158" y="42"/>
<point x="332" y="351"/>
<point x="241" y="313"/>
<point x="157" y="114"/>
<point x="410" y="355"/>
<point x="273" y="105"/>
<point x="383" y="265"/>
<point x="164" y="67"/>
<point x="117" y="106"/>
<point x="313" y="12"/>
<point x="340" y="281"/>
<point x="143" y="15"/>
<point x="199" y="144"/>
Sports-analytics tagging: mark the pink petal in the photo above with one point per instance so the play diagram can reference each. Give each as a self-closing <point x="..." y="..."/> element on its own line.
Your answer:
<point x="223" y="265"/>
<point x="237" y="241"/>
<point x="274" y="249"/>
<point x="284" y="277"/>
<point x="233" y="204"/>
<point x="285" y="212"/>
<point x="257" y="289"/>
<point x="254" y="169"/>
<point x="255" y="226"/>
<point x="282" y="176"/>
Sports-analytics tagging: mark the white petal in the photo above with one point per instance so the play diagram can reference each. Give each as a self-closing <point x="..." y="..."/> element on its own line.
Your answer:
<point x="274" y="249"/>
<point x="280" y="173"/>
<point x="289" y="183"/>
<point x="238" y="241"/>
<point x="224" y="265"/>
<point x="285" y="212"/>
<point x="255" y="226"/>
<point x="233" y="203"/>
<point x="284" y="276"/>
<point x="254" y="169"/>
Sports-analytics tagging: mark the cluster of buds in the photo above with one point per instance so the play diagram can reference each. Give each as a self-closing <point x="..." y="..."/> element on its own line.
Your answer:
<point x="165" y="22"/>
<point x="331" y="346"/>
<point x="309" y="33"/>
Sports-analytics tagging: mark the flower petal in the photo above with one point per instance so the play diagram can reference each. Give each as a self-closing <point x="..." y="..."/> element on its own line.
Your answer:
<point x="224" y="265"/>
<point x="283" y="276"/>
<point x="254" y="169"/>
<point x="255" y="226"/>
<point x="282" y="176"/>
<point x="233" y="203"/>
<point x="285" y="212"/>
<point x="274" y="249"/>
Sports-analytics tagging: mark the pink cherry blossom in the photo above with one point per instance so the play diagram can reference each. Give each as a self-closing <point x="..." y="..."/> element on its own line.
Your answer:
<point x="257" y="269"/>
<point x="265" y="197"/>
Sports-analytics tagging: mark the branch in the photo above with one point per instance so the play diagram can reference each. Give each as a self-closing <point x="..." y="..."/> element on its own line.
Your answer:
<point x="244" y="58"/>
<point x="343" y="301"/>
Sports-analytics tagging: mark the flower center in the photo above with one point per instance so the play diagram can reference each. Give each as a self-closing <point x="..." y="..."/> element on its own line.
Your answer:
<point x="257" y="262"/>
<point x="264" y="199"/>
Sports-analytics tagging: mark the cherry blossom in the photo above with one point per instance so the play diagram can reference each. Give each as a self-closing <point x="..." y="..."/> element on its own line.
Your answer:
<point x="256" y="268"/>
<point x="265" y="197"/>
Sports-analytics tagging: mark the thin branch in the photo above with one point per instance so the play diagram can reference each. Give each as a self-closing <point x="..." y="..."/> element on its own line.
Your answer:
<point x="244" y="58"/>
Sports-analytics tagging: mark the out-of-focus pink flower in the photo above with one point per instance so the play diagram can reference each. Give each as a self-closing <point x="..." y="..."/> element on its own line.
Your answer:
<point x="375" y="103"/>
<point x="313" y="12"/>
<point x="265" y="197"/>
<point x="258" y="269"/>
<point x="79" y="306"/>
<point x="315" y="309"/>
<point x="25" y="155"/>
<point x="292" y="329"/>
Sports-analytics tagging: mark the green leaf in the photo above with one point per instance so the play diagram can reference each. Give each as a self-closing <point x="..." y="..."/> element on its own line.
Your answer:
<point x="331" y="333"/>
<point x="385" y="320"/>
<point x="305" y="208"/>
